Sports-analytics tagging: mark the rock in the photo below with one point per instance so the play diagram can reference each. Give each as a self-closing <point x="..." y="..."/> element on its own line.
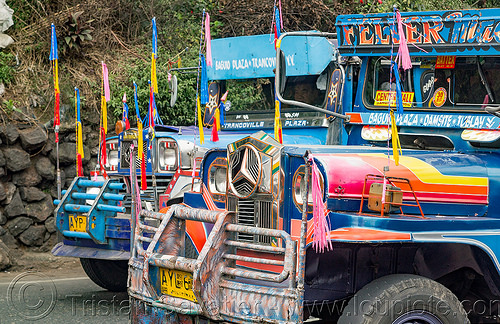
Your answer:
<point x="50" y="224"/>
<point x="33" y="139"/>
<point x="3" y="192"/>
<point x="5" y="258"/>
<point x="50" y="241"/>
<point x="2" y="171"/>
<point x="16" y="207"/>
<point x="2" y="159"/>
<point x="50" y="144"/>
<point x="9" y="239"/>
<point x="16" y="159"/>
<point x="9" y="133"/>
<point x="27" y="178"/>
<point x="45" y="168"/>
<point x="31" y="194"/>
<point x="10" y="190"/>
<point x="70" y="172"/>
<point x="18" y="225"/>
<point x="67" y="154"/>
<point x="3" y="218"/>
<point x="33" y="236"/>
<point x="40" y="210"/>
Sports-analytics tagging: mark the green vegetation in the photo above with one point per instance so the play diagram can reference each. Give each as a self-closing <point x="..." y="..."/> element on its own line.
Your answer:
<point x="7" y="62"/>
<point x="118" y="32"/>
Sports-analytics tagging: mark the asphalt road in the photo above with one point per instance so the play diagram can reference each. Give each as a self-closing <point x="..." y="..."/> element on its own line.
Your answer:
<point x="63" y="295"/>
<point x="55" y="291"/>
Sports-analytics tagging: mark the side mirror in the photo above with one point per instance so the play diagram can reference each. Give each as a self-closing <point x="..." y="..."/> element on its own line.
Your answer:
<point x="173" y="90"/>
<point x="281" y="73"/>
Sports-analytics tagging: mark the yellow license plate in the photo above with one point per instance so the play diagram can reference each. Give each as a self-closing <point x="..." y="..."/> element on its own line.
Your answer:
<point x="77" y="223"/>
<point x="177" y="284"/>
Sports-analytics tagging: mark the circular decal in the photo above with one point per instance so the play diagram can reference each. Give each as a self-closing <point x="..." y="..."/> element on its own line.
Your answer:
<point x="439" y="97"/>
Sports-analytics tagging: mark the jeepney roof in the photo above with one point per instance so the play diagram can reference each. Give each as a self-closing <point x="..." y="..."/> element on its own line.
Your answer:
<point x="451" y="32"/>
<point x="251" y="57"/>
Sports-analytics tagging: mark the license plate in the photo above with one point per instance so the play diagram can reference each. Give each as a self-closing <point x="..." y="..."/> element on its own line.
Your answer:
<point x="177" y="284"/>
<point x="77" y="223"/>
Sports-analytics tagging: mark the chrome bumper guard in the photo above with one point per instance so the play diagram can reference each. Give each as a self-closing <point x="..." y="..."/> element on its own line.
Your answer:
<point x="224" y="291"/>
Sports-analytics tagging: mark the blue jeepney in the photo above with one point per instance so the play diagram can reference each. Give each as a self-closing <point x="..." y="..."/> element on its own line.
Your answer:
<point x="94" y="216"/>
<point x="406" y="235"/>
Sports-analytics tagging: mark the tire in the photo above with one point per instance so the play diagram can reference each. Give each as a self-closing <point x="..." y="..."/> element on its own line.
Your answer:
<point x="404" y="299"/>
<point x="108" y="274"/>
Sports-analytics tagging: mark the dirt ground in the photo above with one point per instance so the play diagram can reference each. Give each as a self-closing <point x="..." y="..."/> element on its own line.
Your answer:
<point x="44" y="262"/>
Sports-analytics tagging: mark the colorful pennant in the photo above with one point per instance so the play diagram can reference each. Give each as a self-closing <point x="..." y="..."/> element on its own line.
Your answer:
<point x="321" y="239"/>
<point x="396" y="144"/>
<point x="53" y="57"/>
<point x="200" y="120"/>
<point x="403" y="57"/>
<point x="125" y="112"/>
<point x="208" y="40"/>
<point x="105" y="97"/>
<point x="278" y="131"/>
<point x="204" y="81"/>
<point x="154" y="56"/>
<point x="79" y="135"/>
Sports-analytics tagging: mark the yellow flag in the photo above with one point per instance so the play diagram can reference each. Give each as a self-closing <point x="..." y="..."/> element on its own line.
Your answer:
<point x="200" y="120"/>
<point x="396" y="145"/>
<point x="104" y="111"/>
<point x="140" y="142"/>
<point x="56" y="76"/>
<point x="154" y="81"/>
<point x="277" y="125"/>
<point x="217" y="115"/>
<point x="80" y="139"/>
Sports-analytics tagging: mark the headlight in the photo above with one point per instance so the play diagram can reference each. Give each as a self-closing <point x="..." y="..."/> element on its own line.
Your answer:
<point x="112" y="158"/>
<point x="167" y="155"/>
<point x="217" y="180"/>
<point x="299" y="187"/>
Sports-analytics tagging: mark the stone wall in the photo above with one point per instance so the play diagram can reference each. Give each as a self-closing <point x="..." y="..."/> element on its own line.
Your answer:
<point x="28" y="184"/>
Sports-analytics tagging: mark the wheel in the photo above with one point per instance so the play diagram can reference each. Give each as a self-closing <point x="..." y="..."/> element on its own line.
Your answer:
<point x="404" y="299"/>
<point x="108" y="274"/>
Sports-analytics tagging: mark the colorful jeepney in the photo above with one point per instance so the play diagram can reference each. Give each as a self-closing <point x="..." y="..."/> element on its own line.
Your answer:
<point x="409" y="236"/>
<point x="94" y="216"/>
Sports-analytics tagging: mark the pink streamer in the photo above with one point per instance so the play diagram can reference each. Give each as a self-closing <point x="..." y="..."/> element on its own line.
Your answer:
<point x="384" y="188"/>
<point x="404" y="59"/>
<point x="193" y="173"/>
<point x="321" y="236"/>
<point x="224" y="96"/>
<point x="105" y="79"/>
<point x="281" y="16"/>
<point x="208" y="40"/>
<point x="135" y="183"/>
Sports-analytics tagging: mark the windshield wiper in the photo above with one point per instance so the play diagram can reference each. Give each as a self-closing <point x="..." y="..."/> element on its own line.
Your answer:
<point x="484" y="81"/>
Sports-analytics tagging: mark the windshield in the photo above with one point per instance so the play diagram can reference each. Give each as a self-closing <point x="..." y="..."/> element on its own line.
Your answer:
<point x="257" y="95"/>
<point x="437" y="83"/>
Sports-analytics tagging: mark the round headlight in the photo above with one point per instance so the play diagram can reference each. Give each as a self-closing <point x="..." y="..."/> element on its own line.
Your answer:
<point x="220" y="180"/>
<point x="217" y="179"/>
<point x="112" y="158"/>
<point x="299" y="187"/>
<point x="167" y="155"/>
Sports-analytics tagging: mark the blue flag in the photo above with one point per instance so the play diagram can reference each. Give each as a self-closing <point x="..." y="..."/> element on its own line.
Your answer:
<point x="155" y="38"/>
<point x="53" y="44"/>
<point x="204" y="81"/>
<point x="136" y="102"/>
<point x="399" y="92"/>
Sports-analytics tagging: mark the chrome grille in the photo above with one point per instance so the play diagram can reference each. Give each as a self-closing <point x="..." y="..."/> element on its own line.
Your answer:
<point x="255" y="213"/>
<point x="125" y="154"/>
